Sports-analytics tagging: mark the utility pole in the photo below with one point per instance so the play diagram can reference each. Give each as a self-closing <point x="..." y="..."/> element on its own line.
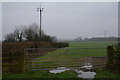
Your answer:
<point x="105" y="33"/>
<point x="40" y="10"/>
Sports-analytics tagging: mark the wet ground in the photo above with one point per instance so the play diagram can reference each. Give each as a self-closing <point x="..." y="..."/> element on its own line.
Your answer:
<point x="86" y="71"/>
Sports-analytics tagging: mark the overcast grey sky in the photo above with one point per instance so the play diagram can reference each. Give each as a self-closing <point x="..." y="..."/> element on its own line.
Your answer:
<point x="66" y="20"/>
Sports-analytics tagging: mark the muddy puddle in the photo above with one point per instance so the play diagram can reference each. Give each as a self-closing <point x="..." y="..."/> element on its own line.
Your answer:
<point x="59" y="70"/>
<point x="86" y="75"/>
<point x="85" y="72"/>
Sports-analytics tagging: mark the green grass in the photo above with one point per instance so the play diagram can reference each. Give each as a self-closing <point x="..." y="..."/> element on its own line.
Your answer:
<point x="102" y="73"/>
<point x="60" y="55"/>
<point x="42" y="74"/>
<point x="92" y="44"/>
<point x="101" y="45"/>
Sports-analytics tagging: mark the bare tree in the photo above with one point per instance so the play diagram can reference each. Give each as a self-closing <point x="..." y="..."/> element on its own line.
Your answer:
<point x="18" y="34"/>
<point x="31" y="32"/>
<point x="54" y="38"/>
<point x="10" y="37"/>
<point x="28" y="33"/>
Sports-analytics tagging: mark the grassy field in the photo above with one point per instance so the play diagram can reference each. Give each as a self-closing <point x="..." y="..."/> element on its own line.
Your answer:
<point x="92" y="44"/>
<point x="64" y="57"/>
<point x="67" y="56"/>
<point x="99" y="45"/>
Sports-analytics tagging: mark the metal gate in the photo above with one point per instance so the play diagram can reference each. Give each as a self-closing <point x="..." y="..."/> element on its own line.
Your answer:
<point x="73" y="58"/>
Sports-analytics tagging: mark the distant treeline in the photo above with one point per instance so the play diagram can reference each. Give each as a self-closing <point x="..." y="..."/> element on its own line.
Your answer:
<point x="97" y="39"/>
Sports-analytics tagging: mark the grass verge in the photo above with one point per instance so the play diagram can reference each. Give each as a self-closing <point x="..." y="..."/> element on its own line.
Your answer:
<point x="103" y="73"/>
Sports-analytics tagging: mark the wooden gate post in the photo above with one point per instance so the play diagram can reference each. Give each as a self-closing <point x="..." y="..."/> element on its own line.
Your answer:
<point x="110" y="57"/>
<point x="24" y="61"/>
